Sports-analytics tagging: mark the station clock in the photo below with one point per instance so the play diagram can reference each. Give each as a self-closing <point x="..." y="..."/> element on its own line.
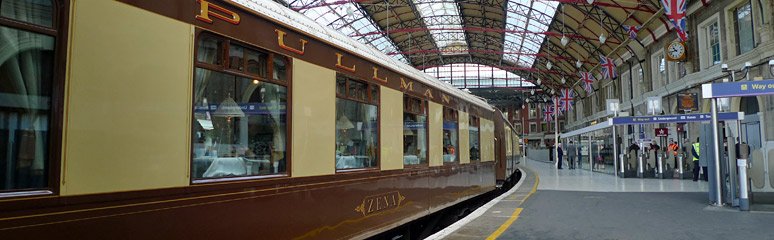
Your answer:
<point x="675" y="51"/>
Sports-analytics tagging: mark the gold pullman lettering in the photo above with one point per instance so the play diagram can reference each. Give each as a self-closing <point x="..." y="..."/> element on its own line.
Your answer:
<point x="376" y="75"/>
<point x="406" y="86"/>
<point x="338" y="64"/>
<point x="205" y="13"/>
<point x="445" y="98"/>
<point x="429" y="93"/>
<point x="281" y="41"/>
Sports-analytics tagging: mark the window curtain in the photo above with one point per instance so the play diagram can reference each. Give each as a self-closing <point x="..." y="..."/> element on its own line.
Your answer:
<point x="38" y="12"/>
<point x="26" y="73"/>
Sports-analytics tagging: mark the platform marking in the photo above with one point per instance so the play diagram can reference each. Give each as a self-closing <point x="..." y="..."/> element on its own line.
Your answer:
<point x="505" y="225"/>
<point x="515" y="214"/>
<point x="475" y="214"/>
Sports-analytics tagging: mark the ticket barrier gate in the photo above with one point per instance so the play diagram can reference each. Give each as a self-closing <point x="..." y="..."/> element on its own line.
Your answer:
<point x="627" y="167"/>
<point x="683" y="171"/>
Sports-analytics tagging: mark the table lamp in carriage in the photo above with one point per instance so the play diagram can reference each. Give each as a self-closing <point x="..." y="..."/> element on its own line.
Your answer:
<point x="229" y="109"/>
<point x="343" y="125"/>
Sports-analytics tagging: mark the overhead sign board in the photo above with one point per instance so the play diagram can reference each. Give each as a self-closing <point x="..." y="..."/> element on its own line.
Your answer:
<point x="737" y="89"/>
<point x="688" y="102"/>
<point x="693" y="117"/>
<point x="662" y="132"/>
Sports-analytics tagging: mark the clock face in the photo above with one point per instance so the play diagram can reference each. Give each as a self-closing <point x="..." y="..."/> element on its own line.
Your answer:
<point x="676" y="50"/>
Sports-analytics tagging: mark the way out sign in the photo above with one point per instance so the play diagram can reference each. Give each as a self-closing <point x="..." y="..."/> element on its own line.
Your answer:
<point x="737" y="89"/>
<point x="662" y="132"/>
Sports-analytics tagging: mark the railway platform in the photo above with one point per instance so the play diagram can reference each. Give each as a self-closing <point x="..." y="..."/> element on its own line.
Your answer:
<point x="575" y="204"/>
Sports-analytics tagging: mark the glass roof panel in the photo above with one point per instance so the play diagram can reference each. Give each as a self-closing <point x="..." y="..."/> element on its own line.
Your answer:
<point x="520" y="42"/>
<point x="468" y="75"/>
<point x="347" y="18"/>
<point x="443" y="19"/>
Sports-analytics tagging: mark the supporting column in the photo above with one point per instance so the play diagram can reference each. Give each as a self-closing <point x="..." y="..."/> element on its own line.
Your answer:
<point x="556" y="134"/>
<point x="615" y="154"/>
<point x="716" y="148"/>
<point x="591" y="156"/>
<point x="640" y="170"/>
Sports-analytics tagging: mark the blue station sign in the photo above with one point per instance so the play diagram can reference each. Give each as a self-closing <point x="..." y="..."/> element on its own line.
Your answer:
<point x="694" y="117"/>
<point x="737" y="89"/>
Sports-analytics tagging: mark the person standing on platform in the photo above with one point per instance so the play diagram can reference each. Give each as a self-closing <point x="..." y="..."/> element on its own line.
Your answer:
<point x="738" y="156"/>
<point x="695" y="150"/>
<point x="572" y="153"/>
<point x="560" y="154"/>
<point x="634" y="147"/>
<point x="673" y="149"/>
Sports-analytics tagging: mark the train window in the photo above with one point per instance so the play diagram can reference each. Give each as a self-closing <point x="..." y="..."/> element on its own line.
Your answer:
<point x="27" y="79"/>
<point x="358" y="90"/>
<point x="450" y="136"/>
<point x="475" y="145"/>
<point x="414" y="131"/>
<point x="236" y="56"/>
<point x="210" y="50"/>
<point x="341" y="86"/>
<point x="280" y="69"/>
<point x="357" y="125"/>
<point x="38" y="12"/>
<point x="241" y="122"/>
<point x="256" y="63"/>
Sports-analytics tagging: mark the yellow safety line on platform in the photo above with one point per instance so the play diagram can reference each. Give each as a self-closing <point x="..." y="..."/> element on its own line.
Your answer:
<point x="534" y="188"/>
<point x="505" y="225"/>
<point x="515" y="214"/>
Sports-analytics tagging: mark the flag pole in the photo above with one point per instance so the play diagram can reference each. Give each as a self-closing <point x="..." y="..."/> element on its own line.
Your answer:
<point x="556" y="132"/>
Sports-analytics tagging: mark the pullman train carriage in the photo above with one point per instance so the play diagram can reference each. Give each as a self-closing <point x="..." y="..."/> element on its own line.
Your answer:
<point x="209" y="119"/>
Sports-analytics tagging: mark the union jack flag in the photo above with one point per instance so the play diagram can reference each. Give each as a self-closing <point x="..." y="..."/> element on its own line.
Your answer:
<point x="548" y="113"/>
<point x="632" y="30"/>
<point x="675" y="12"/>
<point x="587" y="79"/>
<point x="608" y="67"/>
<point x="556" y="100"/>
<point x="567" y="99"/>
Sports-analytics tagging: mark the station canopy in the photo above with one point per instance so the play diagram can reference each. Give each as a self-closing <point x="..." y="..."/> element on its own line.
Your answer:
<point x="497" y="49"/>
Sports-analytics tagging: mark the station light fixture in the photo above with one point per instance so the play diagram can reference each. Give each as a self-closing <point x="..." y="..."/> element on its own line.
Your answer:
<point x="578" y="63"/>
<point x="538" y="81"/>
<point x="549" y="65"/>
<point x="564" y="80"/>
<point x="532" y="91"/>
<point x="564" y="41"/>
<point x="771" y="67"/>
<point x="602" y="38"/>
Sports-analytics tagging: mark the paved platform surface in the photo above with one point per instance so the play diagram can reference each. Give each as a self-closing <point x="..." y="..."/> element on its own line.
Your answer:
<point x="578" y="204"/>
<point x="584" y="180"/>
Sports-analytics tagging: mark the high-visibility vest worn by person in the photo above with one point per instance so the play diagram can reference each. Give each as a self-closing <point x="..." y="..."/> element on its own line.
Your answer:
<point x="696" y="147"/>
<point x="673" y="147"/>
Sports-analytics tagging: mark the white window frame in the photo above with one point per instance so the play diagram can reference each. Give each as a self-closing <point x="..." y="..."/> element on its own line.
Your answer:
<point x="640" y="80"/>
<point x="730" y="31"/>
<point x="705" y="50"/>
<point x="625" y="80"/>
<point x="655" y="62"/>
<point x="671" y="72"/>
